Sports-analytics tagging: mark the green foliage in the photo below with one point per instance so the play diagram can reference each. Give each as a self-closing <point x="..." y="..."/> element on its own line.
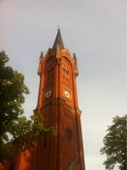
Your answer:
<point x="25" y="131"/>
<point x="15" y="130"/>
<point x="12" y="91"/>
<point x="22" y="134"/>
<point x="115" y="144"/>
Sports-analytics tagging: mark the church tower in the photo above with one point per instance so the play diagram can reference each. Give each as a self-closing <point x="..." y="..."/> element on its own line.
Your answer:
<point x="58" y="103"/>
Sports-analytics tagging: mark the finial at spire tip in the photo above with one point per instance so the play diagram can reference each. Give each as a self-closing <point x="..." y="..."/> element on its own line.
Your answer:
<point x="58" y="27"/>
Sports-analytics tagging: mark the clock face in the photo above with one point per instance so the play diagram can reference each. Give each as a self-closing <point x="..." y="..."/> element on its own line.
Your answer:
<point x="67" y="94"/>
<point x="48" y="93"/>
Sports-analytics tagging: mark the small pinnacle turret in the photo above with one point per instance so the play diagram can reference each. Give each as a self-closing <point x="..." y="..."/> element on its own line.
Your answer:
<point x="58" y="41"/>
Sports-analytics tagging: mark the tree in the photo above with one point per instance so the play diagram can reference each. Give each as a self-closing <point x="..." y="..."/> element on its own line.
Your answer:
<point x="22" y="134"/>
<point x="15" y="129"/>
<point x="12" y="91"/>
<point x="115" y="144"/>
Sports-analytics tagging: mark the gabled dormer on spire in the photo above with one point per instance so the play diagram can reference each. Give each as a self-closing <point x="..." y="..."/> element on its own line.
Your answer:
<point x="58" y="41"/>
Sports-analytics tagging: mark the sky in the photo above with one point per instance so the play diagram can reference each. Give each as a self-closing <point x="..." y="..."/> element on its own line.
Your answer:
<point x="96" y="30"/>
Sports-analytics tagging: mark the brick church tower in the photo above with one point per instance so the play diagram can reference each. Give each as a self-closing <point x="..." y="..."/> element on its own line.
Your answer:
<point x="58" y="103"/>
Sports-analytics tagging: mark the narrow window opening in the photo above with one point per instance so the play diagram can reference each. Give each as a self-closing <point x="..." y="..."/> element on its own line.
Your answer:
<point x="45" y="143"/>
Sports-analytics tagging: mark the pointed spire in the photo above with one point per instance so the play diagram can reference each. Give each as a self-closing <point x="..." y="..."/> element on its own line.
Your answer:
<point x="58" y="41"/>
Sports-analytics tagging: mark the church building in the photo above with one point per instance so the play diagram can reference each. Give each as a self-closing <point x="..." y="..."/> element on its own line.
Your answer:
<point x="58" y="103"/>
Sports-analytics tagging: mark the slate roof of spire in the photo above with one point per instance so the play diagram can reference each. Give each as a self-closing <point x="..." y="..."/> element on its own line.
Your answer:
<point x="58" y="41"/>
